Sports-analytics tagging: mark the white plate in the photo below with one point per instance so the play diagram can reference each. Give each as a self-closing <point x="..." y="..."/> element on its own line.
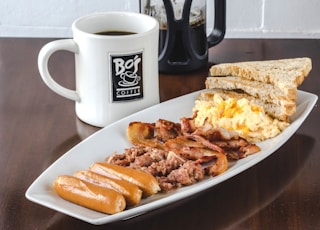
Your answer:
<point x="113" y="138"/>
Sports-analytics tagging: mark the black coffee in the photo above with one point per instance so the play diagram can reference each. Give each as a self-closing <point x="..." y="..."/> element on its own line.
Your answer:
<point x="198" y="40"/>
<point x="115" y="33"/>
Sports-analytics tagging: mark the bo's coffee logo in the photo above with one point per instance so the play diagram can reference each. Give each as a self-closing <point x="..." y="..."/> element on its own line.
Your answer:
<point x="127" y="81"/>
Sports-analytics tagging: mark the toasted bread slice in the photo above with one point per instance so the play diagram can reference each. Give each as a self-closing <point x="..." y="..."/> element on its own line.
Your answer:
<point x="284" y="74"/>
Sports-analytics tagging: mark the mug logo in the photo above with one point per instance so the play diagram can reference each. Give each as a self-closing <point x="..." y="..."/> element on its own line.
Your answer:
<point x="127" y="81"/>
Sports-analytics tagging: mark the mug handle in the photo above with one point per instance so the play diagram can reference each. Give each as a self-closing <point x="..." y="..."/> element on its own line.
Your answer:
<point x="43" y="58"/>
<point x="219" y="27"/>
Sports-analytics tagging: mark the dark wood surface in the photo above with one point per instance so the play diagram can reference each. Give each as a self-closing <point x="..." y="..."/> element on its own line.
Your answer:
<point x="37" y="127"/>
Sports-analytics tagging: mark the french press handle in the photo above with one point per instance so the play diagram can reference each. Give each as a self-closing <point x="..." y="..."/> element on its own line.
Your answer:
<point x="219" y="28"/>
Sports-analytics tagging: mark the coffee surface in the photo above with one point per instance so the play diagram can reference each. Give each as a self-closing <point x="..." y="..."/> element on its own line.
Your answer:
<point x="115" y="33"/>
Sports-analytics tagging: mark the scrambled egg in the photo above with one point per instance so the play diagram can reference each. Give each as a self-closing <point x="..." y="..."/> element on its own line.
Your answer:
<point x="249" y="120"/>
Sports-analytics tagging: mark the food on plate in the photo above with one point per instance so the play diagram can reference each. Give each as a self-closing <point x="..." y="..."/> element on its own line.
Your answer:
<point x="274" y="82"/>
<point x="170" y="170"/>
<point x="245" y="102"/>
<point x="183" y="154"/>
<point x="106" y="188"/>
<point x="255" y="99"/>
<point x="140" y="133"/>
<point x="89" y="195"/>
<point x="130" y="191"/>
<point x="145" y="181"/>
<point x="164" y="134"/>
<point x="239" y="112"/>
<point x="152" y="134"/>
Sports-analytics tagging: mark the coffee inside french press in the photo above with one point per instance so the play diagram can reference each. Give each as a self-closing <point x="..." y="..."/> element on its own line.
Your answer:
<point x="197" y="33"/>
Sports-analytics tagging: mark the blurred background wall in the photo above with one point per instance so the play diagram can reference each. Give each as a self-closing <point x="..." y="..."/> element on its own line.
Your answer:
<point x="245" y="18"/>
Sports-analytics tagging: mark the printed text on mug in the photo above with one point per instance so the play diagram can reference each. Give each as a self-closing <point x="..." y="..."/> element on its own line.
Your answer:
<point x="127" y="79"/>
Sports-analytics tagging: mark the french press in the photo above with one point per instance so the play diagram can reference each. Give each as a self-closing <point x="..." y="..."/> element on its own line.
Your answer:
<point x="183" y="41"/>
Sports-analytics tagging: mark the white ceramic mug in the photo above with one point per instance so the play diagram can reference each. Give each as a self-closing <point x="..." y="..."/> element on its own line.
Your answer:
<point x="116" y="75"/>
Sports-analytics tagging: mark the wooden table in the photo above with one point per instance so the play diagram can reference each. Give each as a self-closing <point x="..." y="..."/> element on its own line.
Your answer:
<point x="37" y="127"/>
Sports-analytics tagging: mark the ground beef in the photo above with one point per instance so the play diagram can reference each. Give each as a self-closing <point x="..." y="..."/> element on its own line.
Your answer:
<point x="189" y="173"/>
<point x="138" y="155"/>
<point x="169" y="169"/>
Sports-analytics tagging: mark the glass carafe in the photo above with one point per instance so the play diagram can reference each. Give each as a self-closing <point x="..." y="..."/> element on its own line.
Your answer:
<point x="183" y="41"/>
